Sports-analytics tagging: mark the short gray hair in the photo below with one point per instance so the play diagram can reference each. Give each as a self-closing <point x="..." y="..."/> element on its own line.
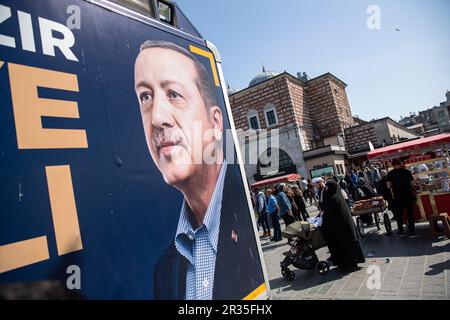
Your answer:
<point x="203" y="80"/>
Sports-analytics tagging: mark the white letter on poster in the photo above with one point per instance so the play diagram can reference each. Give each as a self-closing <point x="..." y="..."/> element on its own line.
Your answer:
<point x="5" y="14"/>
<point x="26" y="31"/>
<point x="49" y="43"/>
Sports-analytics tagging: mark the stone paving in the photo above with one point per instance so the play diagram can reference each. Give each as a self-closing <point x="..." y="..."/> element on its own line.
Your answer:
<point x="409" y="268"/>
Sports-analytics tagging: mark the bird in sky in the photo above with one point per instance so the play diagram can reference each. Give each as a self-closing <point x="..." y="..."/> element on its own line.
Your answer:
<point x="397" y="29"/>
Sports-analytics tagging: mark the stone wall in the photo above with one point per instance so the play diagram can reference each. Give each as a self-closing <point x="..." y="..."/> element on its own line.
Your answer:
<point x="329" y="107"/>
<point x="357" y="138"/>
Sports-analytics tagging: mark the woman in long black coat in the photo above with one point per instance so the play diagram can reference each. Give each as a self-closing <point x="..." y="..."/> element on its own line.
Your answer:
<point x="339" y="230"/>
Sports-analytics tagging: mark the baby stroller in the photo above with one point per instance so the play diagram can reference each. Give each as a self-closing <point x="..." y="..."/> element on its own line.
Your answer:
<point x="302" y="254"/>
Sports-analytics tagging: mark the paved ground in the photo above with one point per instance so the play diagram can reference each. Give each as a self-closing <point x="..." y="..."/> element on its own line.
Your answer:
<point x="417" y="268"/>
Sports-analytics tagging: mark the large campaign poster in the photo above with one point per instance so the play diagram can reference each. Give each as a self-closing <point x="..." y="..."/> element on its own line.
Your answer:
<point x="101" y="187"/>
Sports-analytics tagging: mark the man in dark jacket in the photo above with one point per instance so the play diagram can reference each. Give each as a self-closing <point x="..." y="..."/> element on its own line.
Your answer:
<point x="400" y="182"/>
<point x="261" y="209"/>
<point x="385" y="191"/>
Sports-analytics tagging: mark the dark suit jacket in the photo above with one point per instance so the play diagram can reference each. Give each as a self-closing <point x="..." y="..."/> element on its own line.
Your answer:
<point x="238" y="269"/>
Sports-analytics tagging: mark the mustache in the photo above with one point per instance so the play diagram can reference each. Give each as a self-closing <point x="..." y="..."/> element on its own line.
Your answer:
<point x="167" y="137"/>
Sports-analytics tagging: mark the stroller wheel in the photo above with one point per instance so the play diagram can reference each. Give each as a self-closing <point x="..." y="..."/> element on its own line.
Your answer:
<point x="323" y="268"/>
<point x="288" y="274"/>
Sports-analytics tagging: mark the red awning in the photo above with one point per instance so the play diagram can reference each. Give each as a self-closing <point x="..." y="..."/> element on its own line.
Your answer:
<point x="287" y="178"/>
<point x="412" y="145"/>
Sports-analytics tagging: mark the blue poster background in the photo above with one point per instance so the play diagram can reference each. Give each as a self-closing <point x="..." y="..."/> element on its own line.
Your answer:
<point x="127" y="214"/>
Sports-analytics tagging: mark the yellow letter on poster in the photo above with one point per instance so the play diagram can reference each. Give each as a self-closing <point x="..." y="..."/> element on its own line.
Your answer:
<point x="64" y="210"/>
<point x="23" y="253"/>
<point x="29" y="108"/>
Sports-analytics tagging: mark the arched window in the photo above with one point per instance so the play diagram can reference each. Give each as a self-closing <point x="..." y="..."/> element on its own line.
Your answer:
<point x="253" y="120"/>
<point x="285" y="165"/>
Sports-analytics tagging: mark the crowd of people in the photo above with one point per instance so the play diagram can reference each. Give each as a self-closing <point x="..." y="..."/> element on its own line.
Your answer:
<point x="287" y="202"/>
<point x="334" y="198"/>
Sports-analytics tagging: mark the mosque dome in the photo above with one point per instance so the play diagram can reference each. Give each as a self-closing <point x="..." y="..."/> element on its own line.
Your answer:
<point x="231" y="90"/>
<point x="263" y="76"/>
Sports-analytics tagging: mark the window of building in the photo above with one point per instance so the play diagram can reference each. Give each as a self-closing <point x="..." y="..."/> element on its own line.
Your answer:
<point x="266" y="167"/>
<point x="441" y="114"/>
<point x="318" y="144"/>
<point x="340" y="169"/>
<point x="253" y="120"/>
<point x="254" y="123"/>
<point x="285" y="160"/>
<point x="270" y="115"/>
<point x="271" y="119"/>
<point x="341" y="141"/>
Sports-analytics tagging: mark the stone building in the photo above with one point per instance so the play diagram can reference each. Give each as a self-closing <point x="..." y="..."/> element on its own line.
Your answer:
<point x="377" y="133"/>
<point x="308" y="114"/>
<point x="380" y="133"/>
<point x="433" y="121"/>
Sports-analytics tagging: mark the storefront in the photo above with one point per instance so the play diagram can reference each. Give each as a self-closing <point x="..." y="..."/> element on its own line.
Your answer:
<point x="326" y="161"/>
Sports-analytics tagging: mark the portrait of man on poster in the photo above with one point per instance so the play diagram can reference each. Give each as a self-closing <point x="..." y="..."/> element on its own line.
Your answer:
<point x="184" y="127"/>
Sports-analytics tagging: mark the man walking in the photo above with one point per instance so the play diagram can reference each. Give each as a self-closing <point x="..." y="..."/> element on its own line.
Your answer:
<point x="261" y="209"/>
<point x="400" y="183"/>
<point x="304" y="187"/>
<point x="375" y="177"/>
<point x="354" y="178"/>
<point x="272" y="210"/>
<point x="320" y="185"/>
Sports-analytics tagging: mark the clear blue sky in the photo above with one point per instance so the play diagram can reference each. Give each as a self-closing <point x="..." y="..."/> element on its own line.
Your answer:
<point x="388" y="72"/>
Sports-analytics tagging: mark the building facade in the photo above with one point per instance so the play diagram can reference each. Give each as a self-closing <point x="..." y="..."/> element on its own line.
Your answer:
<point x="441" y="115"/>
<point x="434" y="120"/>
<point x="379" y="133"/>
<point x="303" y="114"/>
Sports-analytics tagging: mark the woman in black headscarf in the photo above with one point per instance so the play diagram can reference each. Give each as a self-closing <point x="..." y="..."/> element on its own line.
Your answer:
<point x="339" y="229"/>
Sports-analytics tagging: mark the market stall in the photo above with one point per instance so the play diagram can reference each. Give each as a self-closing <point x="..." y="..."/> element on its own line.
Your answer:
<point x="376" y="206"/>
<point x="428" y="160"/>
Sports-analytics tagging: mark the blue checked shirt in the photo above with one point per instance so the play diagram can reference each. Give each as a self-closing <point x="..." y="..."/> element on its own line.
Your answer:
<point x="199" y="246"/>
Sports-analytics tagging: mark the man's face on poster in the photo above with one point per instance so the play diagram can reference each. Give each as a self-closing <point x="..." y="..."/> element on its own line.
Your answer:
<point x="172" y="106"/>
